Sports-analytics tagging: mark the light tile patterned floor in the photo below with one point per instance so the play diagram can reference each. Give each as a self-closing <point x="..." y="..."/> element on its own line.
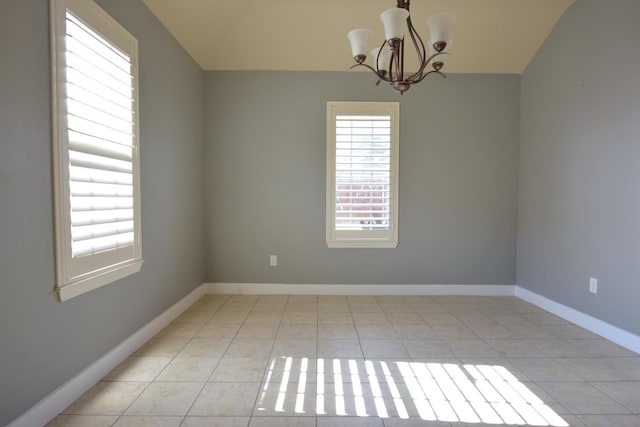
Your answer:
<point x="366" y="361"/>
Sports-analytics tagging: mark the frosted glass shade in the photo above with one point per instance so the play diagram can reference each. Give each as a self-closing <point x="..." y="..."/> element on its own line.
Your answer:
<point x="360" y="40"/>
<point x="394" y="21"/>
<point x="383" y="60"/>
<point x="440" y="26"/>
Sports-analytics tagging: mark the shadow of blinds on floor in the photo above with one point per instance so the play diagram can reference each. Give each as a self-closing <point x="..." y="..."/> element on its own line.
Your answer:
<point x="449" y="392"/>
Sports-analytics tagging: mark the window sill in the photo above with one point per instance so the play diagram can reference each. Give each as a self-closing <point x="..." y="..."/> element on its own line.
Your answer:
<point x="97" y="279"/>
<point x="363" y="243"/>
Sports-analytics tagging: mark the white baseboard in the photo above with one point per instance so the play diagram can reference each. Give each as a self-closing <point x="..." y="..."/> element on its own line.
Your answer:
<point x="53" y="404"/>
<point x="612" y="333"/>
<point x="364" y="289"/>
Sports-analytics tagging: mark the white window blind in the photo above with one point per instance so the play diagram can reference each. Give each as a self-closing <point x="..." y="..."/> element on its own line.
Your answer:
<point x="363" y="172"/>
<point x="95" y="107"/>
<point x="362" y="147"/>
<point x="101" y="130"/>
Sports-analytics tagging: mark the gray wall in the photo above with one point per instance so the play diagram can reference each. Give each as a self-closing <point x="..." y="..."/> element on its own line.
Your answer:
<point x="43" y="343"/>
<point x="579" y="209"/>
<point x="266" y="137"/>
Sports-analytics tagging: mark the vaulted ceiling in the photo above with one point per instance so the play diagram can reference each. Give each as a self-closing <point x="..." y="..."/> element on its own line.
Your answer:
<point x="490" y="36"/>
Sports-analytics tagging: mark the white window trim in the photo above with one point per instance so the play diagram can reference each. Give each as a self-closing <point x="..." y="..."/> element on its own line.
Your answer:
<point x="75" y="276"/>
<point x="361" y="238"/>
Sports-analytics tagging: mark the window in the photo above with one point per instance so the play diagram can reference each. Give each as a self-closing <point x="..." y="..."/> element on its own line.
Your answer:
<point x="362" y="174"/>
<point x="95" y="148"/>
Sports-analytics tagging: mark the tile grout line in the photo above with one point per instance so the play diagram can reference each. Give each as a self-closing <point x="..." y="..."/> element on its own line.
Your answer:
<point x="269" y="359"/>
<point x="184" y="418"/>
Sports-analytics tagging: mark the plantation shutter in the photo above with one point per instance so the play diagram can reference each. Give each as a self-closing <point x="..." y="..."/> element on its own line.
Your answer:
<point x="100" y="131"/>
<point x="363" y="172"/>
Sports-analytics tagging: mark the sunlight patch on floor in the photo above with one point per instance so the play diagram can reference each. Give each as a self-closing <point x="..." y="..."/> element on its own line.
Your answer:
<point x="448" y="392"/>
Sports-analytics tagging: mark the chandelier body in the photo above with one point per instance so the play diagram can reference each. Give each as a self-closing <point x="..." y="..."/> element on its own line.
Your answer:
<point x="389" y="58"/>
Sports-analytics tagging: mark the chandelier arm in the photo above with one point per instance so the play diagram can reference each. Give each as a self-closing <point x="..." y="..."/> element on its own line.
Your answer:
<point x="392" y="63"/>
<point x="377" y="69"/>
<point x="417" y="77"/>
<point x="441" y="74"/>
<point x="396" y="61"/>
<point x="373" y="70"/>
<point x="420" y="49"/>
<point x="424" y="61"/>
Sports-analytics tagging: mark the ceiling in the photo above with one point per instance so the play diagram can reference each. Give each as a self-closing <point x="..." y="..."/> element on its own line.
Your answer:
<point x="490" y="36"/>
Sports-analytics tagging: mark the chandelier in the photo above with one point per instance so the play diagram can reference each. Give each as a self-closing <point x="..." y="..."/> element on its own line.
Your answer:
<point x="389" y="57"/>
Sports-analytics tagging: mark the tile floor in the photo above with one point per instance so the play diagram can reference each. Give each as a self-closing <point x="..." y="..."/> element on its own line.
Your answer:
<point x="366" y="361"/>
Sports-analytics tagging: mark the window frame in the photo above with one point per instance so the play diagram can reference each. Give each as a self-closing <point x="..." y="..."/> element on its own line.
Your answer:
<point x="83" y="273"/>
<point x="362" y="238"/>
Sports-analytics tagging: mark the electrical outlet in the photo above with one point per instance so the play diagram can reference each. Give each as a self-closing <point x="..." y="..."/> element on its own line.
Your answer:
<point x="593" y="285"/>
<point x="273" y="260"/>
